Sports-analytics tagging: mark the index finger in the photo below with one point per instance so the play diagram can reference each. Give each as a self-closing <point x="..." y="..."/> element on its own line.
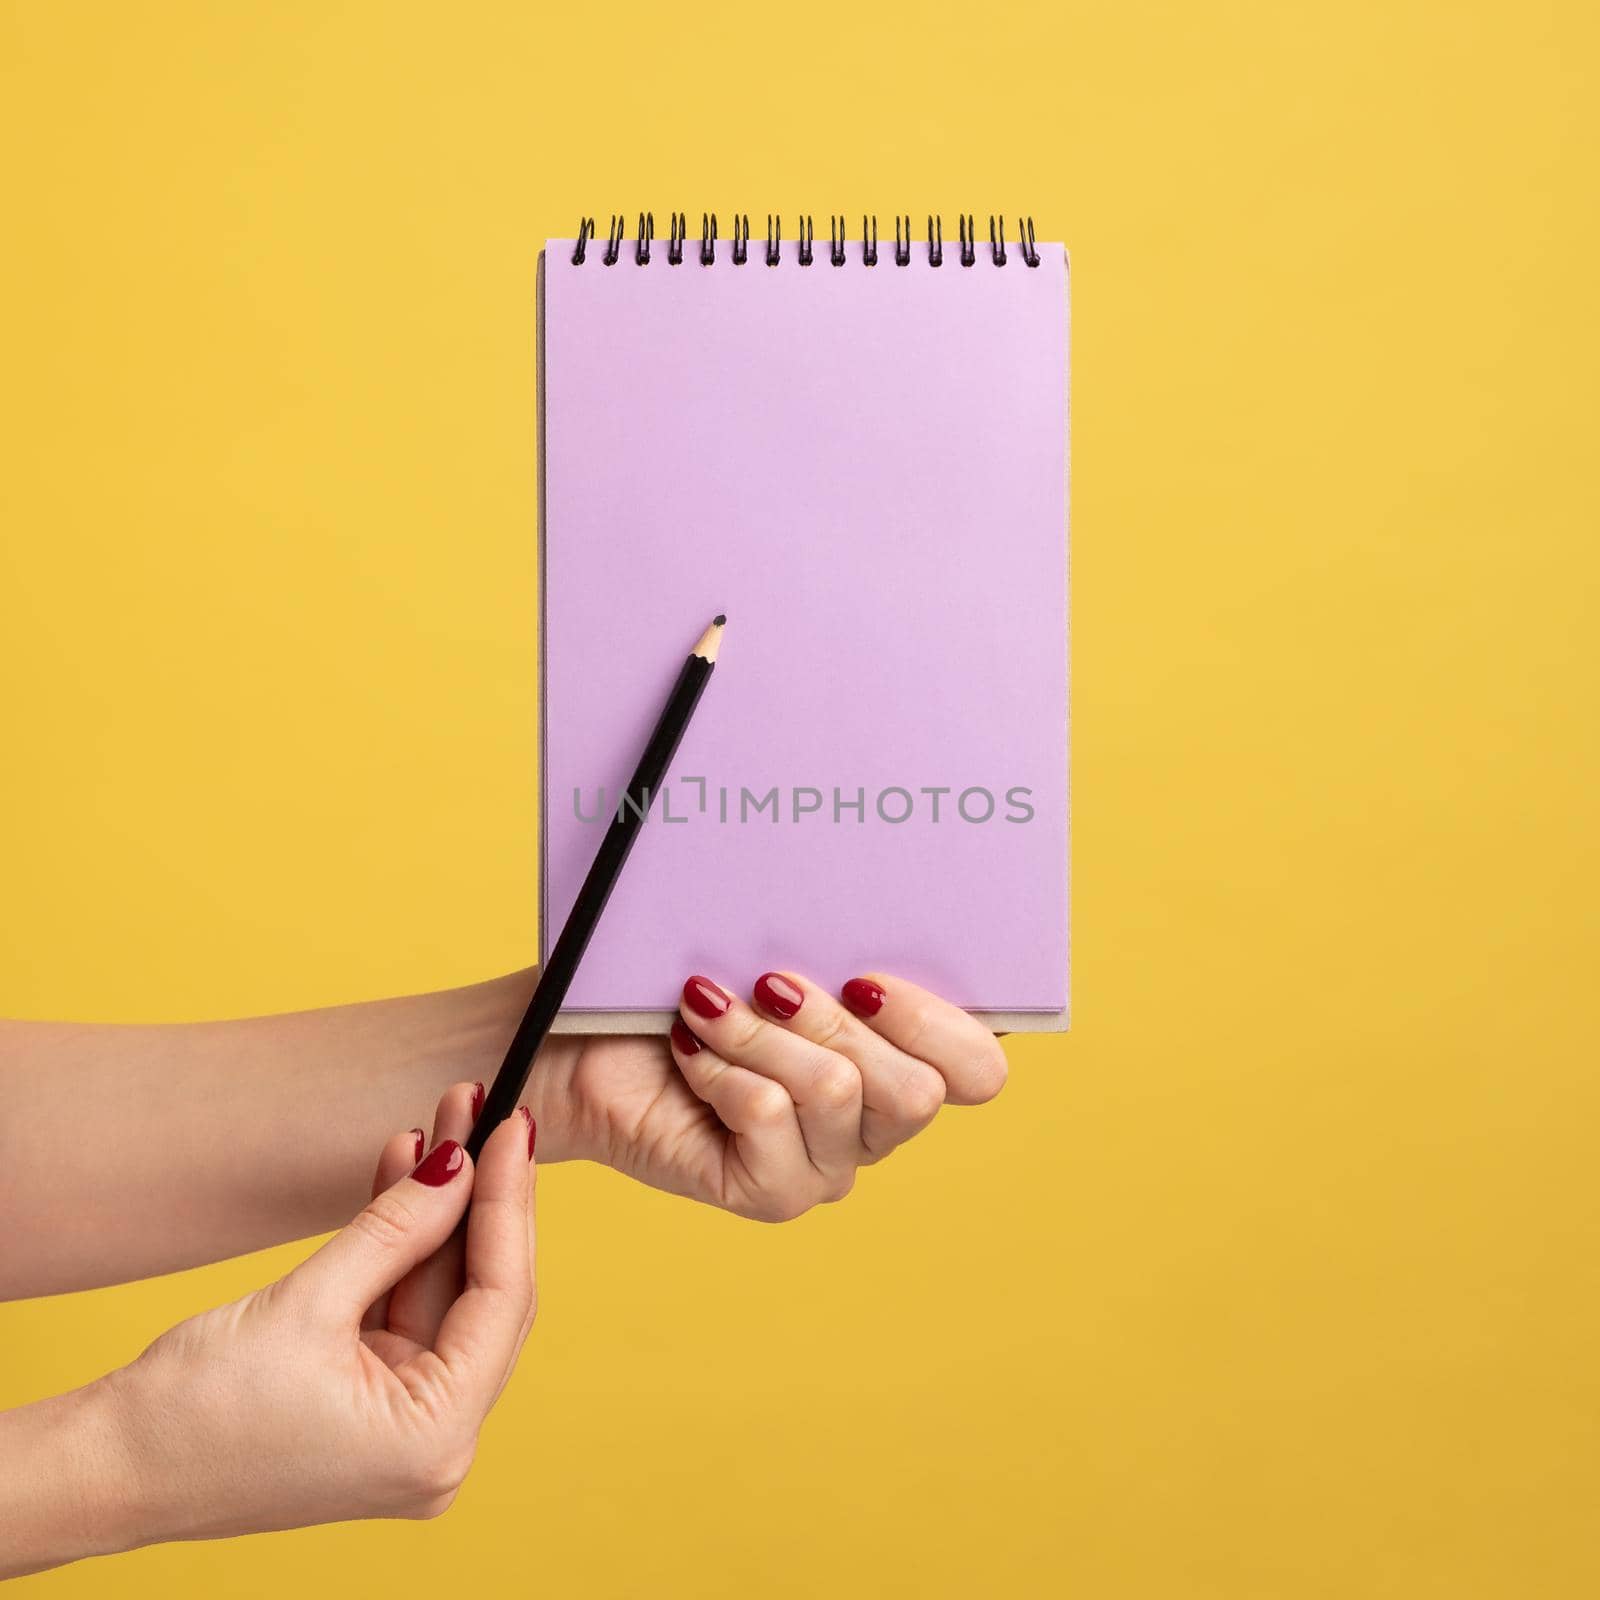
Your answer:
<point x="955" y="1044"/>
<point x="483" y="1331"/>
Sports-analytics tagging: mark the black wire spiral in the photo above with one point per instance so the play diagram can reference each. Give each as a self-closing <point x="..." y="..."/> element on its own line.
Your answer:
<point x="837" y="238"/>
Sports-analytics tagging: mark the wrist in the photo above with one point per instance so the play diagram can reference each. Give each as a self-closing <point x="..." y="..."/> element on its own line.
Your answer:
<point x="488" y="1023"/>
<point x="121" y="1498"/>
<point x="68" y="1485"/>
<point x="564" y="1132"/>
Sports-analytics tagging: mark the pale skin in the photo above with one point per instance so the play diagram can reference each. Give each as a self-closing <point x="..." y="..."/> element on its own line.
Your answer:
<point x="355" y="1386"/>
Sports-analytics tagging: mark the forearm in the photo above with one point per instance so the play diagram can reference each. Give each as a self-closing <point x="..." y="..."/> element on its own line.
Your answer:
<point x="66" y="1490"/>
<point x="127" y="1151"/>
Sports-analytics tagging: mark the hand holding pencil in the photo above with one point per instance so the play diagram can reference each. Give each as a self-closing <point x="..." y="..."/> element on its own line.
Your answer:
<point x="354" y="1386"/>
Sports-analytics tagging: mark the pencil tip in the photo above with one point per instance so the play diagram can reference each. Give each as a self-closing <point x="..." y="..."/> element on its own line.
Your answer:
<point x="711" y="639"/>
<point x="720" y="620"/>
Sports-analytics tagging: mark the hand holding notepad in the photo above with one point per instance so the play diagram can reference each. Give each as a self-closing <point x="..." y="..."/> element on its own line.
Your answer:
<point x="805" y="1087"/>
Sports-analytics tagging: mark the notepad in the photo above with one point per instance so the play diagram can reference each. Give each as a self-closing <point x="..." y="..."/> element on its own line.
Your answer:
<point x="865" y="466"/>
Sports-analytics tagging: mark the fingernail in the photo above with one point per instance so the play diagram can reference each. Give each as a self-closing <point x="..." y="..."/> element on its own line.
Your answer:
<point x="477" y="1101"/>
<point x="533" y="1129"/>
<point x="705" y="999"/>
<point x="775" y="993"/>
<point x="863" y="996"/>
<point x="422" y="1140"/>
<point x="683" y="1041"/>
<point x="443" y="1162"/>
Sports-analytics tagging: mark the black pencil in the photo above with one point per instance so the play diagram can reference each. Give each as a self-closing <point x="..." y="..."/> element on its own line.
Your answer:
<point x="584" y="917"/>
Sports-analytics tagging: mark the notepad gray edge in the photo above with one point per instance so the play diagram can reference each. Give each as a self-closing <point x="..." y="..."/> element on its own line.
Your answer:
<point x="544" y="676"/>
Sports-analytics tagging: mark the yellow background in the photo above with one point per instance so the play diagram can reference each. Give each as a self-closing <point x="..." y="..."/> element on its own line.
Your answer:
<point x="1278" y="1276"/>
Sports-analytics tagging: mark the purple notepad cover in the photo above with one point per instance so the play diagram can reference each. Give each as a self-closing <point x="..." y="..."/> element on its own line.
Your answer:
<point x="866" y="468"/>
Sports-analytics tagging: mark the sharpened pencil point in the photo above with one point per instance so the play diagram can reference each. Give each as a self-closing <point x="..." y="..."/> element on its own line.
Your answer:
<point x="721" y="619"/>
<point x="710" y="639"/>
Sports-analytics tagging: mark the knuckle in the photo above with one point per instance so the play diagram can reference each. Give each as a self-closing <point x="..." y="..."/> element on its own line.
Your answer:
<point x="836" y="1082"/>
<point x="509" y="1211"/>
<point x="770" y="1105"/>
<point x="291" y="1294"/>
<point x="519" y="1296"/>
<point x="437" y="1403"/>
<point x="989" y="1072"/>
<point x="427" y="1508"/>
<point x="915" y="1033"/>
<point x="920" y="1097"/>
<point x="785" y="1207"/>
<point x="833" y="1026"/>
<point x="437" y="1481"/>
<point x="742" y="1029"/>
<point x="775" y="1205"/>
<point x="509" y="1300"/>
<point x="385" y="1221"/>
<point x="877" y="1148"/>
<point x="840" y="1187"/>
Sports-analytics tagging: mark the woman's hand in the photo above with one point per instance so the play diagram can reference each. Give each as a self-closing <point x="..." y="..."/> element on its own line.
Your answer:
<point x="768" y="1109"/>
<point x="353" y="1387"/>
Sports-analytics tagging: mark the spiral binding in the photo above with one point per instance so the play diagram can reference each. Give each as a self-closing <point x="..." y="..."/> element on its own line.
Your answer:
<point x="644" y="237"/>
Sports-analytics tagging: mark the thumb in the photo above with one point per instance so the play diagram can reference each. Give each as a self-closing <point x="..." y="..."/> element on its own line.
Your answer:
<point x="400" y="1228"/>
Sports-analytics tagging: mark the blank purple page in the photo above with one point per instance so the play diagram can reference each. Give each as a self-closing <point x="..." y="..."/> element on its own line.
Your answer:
<point x="866" y="468"/>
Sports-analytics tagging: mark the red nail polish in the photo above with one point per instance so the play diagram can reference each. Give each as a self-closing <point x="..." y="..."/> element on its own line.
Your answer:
<point x="421" y="1143"/>
<point x="705" y="999"/>
<point x="683" y="1041"/>
<point x="775" y="993"/>
<point x="477" y="1101"/>
<point x="443" y="1162"/>
<point x="533" y="1129"/>
<point x="863" y="996"/>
